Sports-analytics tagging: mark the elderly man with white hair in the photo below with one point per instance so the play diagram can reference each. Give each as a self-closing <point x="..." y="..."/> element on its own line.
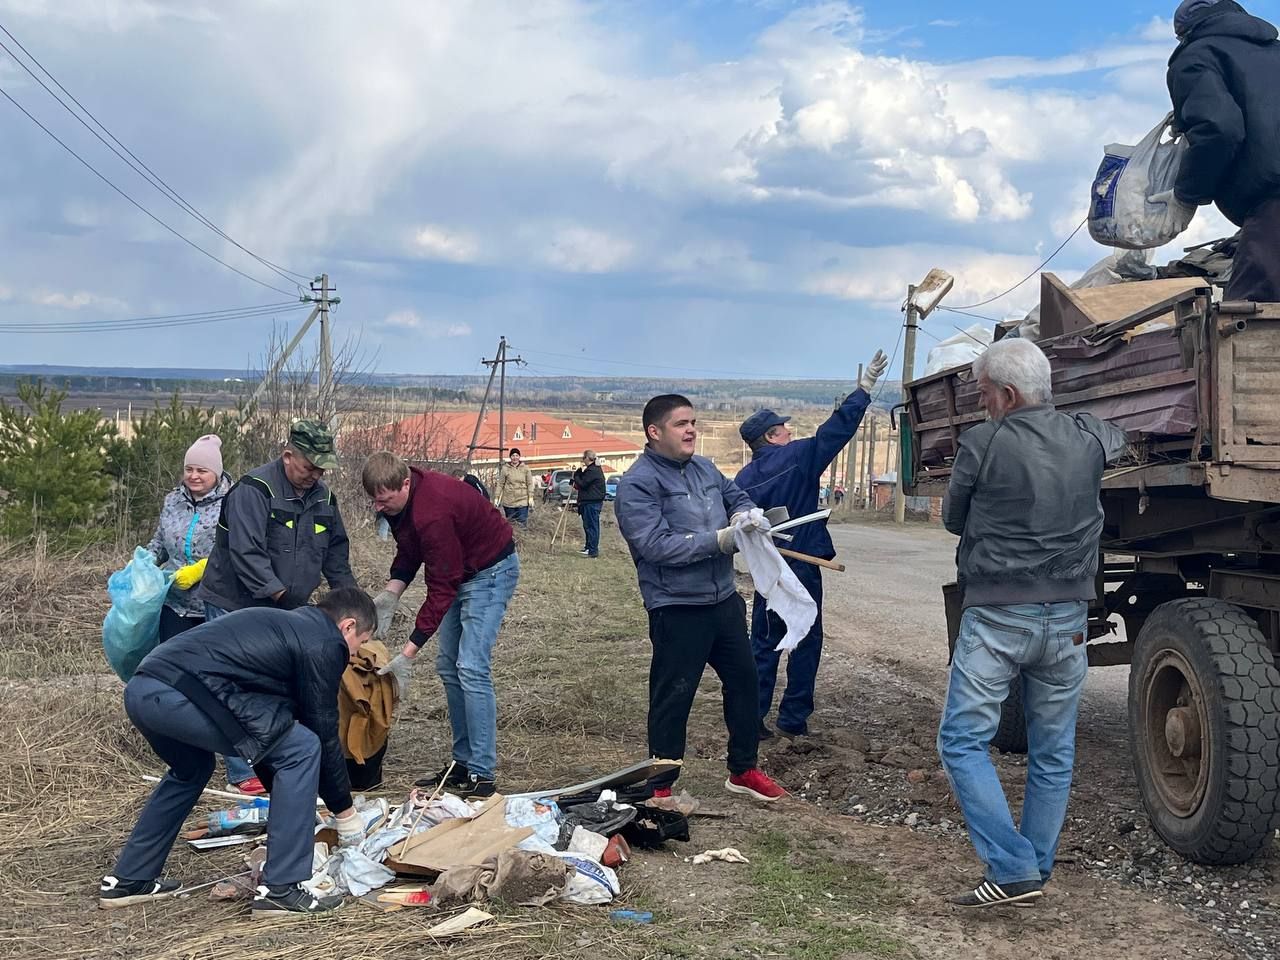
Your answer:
<point x="1023" y="499"/>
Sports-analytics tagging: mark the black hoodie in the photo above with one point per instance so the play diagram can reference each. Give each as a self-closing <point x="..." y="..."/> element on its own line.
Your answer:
<point x="1224" y="80"/>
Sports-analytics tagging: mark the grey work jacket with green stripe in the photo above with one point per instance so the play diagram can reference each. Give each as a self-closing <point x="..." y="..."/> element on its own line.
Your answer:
<point x="271" y="539"/>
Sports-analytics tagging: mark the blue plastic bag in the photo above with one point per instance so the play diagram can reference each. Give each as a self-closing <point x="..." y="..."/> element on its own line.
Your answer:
<point x="132" y="626"/>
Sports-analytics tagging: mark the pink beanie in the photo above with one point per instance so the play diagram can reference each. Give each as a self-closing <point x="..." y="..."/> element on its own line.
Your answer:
<point x="205" y="452"/>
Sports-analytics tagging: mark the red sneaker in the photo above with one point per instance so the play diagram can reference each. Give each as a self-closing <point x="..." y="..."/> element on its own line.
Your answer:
<point x="756" y="785"/>
<point x="250" y="788"/>
<point x="661" y="793"/>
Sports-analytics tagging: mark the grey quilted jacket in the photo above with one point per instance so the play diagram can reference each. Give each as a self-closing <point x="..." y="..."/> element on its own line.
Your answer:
<point x="184" y="534"/>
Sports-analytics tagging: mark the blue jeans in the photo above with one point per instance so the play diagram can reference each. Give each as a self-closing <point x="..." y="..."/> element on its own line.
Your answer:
<point x="1044" y="643"/>
<point x="466" y="638"/>
<point x="237" y="770"/>
<point x="185" y="739"/>
<point x="518" y="515"/>
<point x="591" y="526"/>
<point x="767" y="629"/>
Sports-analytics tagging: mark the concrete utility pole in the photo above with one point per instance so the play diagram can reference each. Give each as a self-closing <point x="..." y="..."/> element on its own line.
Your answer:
<point x="908" y="374"/>
<point x="498" y="365"/>
<point x="321" y="309"/>
<point x="848" y="476"/>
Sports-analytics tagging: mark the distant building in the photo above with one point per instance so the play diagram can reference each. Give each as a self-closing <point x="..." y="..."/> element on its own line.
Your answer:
<point x="545" y="442"/>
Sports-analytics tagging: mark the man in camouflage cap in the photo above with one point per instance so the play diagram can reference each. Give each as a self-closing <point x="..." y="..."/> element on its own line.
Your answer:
<point x="279" y="533"/>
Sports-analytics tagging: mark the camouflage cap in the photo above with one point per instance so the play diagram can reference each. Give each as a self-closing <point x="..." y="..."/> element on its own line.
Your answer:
<point x="313" y="440"/>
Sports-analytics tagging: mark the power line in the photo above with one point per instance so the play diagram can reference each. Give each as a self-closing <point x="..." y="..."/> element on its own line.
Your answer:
<point x="188" y="241"/>
<point x="157" y="322"/>
<point x="659" y="366"/>
<point x="965" y="313"/>
<point x="1045" y="263"/>
<point x="132" y="159"/>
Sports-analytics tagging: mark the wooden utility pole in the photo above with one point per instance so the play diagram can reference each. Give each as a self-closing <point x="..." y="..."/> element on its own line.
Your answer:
<point x="831" y="475"/>
<point x="908" y="374"/>
<point x="851" y="453"/>
<point x="871" y="467"/>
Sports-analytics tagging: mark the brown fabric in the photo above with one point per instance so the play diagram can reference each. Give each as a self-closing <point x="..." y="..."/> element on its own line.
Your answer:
<point x="520" y="877"/>
<point x="366" y="703"/>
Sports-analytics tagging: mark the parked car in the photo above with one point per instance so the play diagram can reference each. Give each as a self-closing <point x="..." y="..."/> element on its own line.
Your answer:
<point x="611" y="485"/>
<point x="559" y="487"/>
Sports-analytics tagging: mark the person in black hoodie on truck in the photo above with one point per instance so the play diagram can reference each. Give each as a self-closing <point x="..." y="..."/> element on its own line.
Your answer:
<point x="1224" y="81"/>
<point x="261" y="684"/>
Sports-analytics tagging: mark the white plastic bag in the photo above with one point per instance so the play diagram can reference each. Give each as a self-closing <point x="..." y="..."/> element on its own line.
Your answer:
<point x="959" y="350"/>
<point x="592" y="882"/>
<point x="1132" y="203"/>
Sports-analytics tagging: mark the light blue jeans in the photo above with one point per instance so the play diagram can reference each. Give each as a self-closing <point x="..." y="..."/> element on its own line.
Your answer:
<point x="466" y="639"/>
<point x="1044" y="644"/>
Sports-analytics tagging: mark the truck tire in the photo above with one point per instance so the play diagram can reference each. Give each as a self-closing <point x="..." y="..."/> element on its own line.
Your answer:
<point x="1204" y="724"/>
<point x="1011" y="735"/>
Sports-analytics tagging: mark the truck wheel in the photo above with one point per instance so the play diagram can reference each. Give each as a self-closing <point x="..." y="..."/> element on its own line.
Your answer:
<point x="1011" y="735"/>
<point x="1204" y="696"/>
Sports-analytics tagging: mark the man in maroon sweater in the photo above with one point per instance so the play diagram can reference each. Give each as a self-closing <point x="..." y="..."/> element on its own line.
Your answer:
<point x="466" y="546"/>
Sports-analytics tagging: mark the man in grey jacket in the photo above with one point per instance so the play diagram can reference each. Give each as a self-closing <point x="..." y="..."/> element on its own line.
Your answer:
<point x="674" y="509"/>
<point x="1023" y="499"/>
<point x="280" y="531"/>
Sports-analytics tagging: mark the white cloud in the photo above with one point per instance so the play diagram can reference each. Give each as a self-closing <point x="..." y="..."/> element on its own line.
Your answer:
<point x="76" y="301"/>
<point x="411" y="320"/>
<point x="1159" y="29"/>
<point x="579" y="249"/>
<point x="434" y="242"/>
<point x="945" y="23"/>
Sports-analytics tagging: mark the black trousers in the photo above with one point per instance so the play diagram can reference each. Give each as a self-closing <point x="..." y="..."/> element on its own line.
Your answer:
<point x="1255" y="269"/>
<point x="686" y="640"/>
<point x="173" y="623"/>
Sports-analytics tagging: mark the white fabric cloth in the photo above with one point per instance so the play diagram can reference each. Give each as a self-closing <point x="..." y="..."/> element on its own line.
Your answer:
<point x="784" y="594"/>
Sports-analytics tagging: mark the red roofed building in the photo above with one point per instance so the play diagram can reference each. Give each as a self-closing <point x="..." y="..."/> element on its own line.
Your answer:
<point x="545" y="442"/>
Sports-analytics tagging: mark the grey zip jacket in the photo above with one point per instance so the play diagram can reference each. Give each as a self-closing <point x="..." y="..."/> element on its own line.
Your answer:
<point x="1023" y="499"/>
<point x="185" y="534"/>
<point x="669" y="513"/>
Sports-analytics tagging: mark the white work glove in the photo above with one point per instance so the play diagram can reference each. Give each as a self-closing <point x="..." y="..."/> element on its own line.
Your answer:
<point x="385" y="603"/>
<point x="753" y="519"/>
<point x="400" y="667"/>
<point x="350" y="830"/>
<point x="725" y="541"/>
<point x="873" y="370"/>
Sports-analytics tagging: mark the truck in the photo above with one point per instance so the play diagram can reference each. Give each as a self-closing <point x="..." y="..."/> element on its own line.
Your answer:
<point x="1188" y="585"/>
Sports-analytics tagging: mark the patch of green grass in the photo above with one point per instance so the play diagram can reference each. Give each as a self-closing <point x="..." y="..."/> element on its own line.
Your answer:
<point x="811" y="905"/>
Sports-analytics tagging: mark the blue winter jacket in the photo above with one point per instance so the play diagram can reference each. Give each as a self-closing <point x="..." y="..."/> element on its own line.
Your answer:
<point x="789" y="475"/>
<point x="669" y="513"/>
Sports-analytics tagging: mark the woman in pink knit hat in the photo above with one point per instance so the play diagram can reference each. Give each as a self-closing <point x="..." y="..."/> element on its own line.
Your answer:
<point x="185" y="530"/>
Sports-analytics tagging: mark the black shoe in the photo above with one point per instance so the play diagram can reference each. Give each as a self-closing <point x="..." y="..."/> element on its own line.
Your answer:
<point x="765" y="732"/>
<point x="475" y="788"/>
<point x="990" y="894"/>
<point x="456" y="778"/>
<point x="290" y="900"/>
<point x="792" y="734"/>
<point x="125" y="893"/>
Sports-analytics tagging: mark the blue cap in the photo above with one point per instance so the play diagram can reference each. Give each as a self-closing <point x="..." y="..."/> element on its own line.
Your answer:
<point x="758" y="424"/>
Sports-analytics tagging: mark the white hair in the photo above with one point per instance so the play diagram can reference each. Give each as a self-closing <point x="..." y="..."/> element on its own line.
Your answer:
<point x="1020" y="364"/>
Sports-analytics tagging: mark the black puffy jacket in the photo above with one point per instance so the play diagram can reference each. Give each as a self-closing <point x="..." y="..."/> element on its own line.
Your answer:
<point x="254" y="673"/>
<point x="1224" y="80"/>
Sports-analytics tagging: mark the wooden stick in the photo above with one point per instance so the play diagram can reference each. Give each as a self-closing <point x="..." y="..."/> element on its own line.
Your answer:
<point x="242" y="797"/>
<point x="404" y="847"/>
<point x="816" y="561"/>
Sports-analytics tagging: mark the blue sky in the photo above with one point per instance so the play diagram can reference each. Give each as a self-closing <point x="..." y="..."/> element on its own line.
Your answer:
<point x="743" y="186"/>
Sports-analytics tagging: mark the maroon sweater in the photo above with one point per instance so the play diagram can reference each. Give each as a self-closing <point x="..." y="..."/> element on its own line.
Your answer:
<point x="451" y="529"/>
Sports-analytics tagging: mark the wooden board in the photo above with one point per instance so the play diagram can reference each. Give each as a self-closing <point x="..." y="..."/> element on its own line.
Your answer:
<point x="636" y="773"/>
<point x="1064" y="310"/>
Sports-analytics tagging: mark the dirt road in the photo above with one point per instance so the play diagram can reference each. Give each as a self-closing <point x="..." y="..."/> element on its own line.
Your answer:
<point x="880" y="693"/>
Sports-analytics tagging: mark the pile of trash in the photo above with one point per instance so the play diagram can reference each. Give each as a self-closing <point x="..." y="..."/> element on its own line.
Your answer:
<point x="528" y="850"/>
